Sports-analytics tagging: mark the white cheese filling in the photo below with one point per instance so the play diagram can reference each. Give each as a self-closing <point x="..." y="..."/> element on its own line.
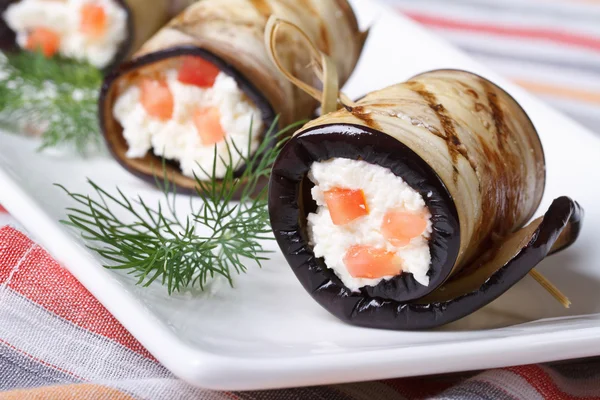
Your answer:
<point x="178" y="139"/>
<point x="383" y="192"/>
<point x="64" y="18"/>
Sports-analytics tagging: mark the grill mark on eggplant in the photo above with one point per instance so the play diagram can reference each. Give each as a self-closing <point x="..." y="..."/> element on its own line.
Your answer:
<point x="469" y="90"/>
<point x="455" y="146"/>
<point x="502" y="129"/>
<point x="498" y="198"/>
<point x="324" y="43"/>
<point x="381" y="105"/>
<point x="262" y="7"/>
<point x="326" y="47"/>
<point x="472" y="93"/>
<point x="365" y="116"/>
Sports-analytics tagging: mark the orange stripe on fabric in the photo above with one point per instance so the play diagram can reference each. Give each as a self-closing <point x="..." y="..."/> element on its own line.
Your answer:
<point x="67" y="392"/>
<point x="543" y="383"/>
<point x="571" y="39"/>
<point x="43" y="281"/>
<point x="3" y="210"/>
<point x="559" y="91"/>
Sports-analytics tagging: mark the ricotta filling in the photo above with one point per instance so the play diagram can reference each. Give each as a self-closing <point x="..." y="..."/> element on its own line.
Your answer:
<point x="64" y="18"/>
<point x="178" y="139"/>
<point x="383" y="191"/>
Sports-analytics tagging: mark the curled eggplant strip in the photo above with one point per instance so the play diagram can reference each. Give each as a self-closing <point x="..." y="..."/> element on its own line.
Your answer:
<point x="557" y="229"/>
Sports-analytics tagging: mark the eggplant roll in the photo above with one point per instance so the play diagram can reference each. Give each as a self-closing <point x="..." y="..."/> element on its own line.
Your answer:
<point x="100" y="32"/>
<point x="407" y="210"/>
<point x="206" y="81"/>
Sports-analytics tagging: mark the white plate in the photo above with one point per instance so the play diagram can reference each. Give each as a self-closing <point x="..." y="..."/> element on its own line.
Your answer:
<point x="267" y="332"/>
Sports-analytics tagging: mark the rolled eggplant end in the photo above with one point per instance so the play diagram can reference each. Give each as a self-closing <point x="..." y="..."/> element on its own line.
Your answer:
<point x="150" y="165"/>
<point x="402" y="303"/>
<point x="291" y="204"/>
<point x="8" y="37"/>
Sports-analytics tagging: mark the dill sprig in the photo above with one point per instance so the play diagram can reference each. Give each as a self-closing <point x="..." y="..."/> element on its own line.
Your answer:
<point x="216" y="238"/>
<point x="56" y="97"/>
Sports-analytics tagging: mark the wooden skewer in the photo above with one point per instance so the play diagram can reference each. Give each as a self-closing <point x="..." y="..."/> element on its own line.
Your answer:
<point x="553" y="290"/>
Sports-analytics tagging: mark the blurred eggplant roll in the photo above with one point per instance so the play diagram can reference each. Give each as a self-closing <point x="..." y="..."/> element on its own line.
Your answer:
<point x="407" y="209"/>
<point x="99" y="32"/>
<point x="206" y="82"/>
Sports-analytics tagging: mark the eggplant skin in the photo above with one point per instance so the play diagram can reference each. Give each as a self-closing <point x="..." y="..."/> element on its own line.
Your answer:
<point x="148" y="167"/>
<point x="127" y="46"/>
<point x="290" y="203"/>
<point x="8" y="37"/>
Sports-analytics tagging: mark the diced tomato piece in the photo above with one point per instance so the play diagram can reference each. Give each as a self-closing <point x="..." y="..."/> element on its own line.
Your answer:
<point x="93" y="20"/>
<point x="198" y="72"/>
<point x="44" y="40"/>
<point x="346" y="205"/>
<point x="400" y="227"/>
<point x="157" y="99"/>
<point x="372" y="263"/>
<point x="208" y="124"/>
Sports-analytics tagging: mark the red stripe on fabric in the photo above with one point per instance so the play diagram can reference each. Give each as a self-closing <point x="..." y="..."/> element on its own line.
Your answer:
<point x="43" y="281"/>
<point x="40" y="361"/>
<point x="556" y="36"/>
<point x="13" y="246"/>
<point x="543" y="383"/>
<point x="3" y="210"/>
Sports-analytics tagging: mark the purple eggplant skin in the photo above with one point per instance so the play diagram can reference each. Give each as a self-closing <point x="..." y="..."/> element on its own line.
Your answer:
<point x="394" y="305"/>
<point x="290" y="203"/>
<point x="8" y="37"/>
<point x="115" y="141"/>
<point x="126" y="47"/>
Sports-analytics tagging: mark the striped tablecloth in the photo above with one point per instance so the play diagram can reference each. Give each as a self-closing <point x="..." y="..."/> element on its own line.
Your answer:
<point x="58" y="342"/>
<point x="550" y="47"/>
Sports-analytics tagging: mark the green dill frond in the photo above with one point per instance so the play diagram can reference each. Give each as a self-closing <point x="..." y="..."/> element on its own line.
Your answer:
<point x="57" y="97"/>
<point x="154" y="243"/>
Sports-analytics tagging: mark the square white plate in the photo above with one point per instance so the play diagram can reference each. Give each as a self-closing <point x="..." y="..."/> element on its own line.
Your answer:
<point x="267" y="332"/>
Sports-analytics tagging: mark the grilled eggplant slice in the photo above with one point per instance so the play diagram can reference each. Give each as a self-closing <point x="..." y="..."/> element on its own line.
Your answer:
<point x="474" y="156"/>
<point x="142" y="22"/>
<point x="229" y="34"/>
